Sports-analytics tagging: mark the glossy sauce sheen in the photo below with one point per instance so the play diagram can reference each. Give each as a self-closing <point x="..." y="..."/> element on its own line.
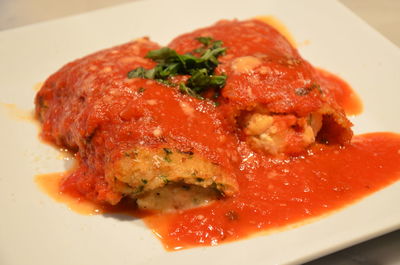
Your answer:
<point x="277" y="195"/>
<point x="50" y="183"/>
<point x="273" y="193"/>
<point x="325" y="179"/>
<point x="342" y="92"/>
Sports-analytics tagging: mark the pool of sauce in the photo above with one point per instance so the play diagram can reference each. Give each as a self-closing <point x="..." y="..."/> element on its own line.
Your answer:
<point x="281" y="193"/>
<point x="274" y="193"/>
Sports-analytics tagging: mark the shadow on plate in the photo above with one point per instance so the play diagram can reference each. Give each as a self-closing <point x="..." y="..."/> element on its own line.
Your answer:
<point x="381" y="250"/>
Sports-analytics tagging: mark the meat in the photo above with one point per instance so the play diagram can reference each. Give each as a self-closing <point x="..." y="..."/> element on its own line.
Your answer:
<point x="277" y="134"/>
<point x="164" y="179"/>
<point x="269" y="82"/>
<point x="135" y="136"/>
<point x="146" y="139"/>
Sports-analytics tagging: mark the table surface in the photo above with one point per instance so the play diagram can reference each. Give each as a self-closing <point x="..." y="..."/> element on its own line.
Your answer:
<point x="383" y="15"/>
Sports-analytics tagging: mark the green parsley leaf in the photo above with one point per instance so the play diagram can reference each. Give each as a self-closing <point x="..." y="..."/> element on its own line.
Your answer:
<point x="200" y="68"/>
<point x="204" y="40"/>
<point x="168" y="152"/>
<point x="141" y="89"/>
<point x="187" y="90"/>
<point x="164" y="179"/>
<point x="161" y="55"/>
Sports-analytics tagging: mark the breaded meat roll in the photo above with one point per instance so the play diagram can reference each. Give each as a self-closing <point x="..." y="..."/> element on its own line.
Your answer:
<point x="273" y="95"/>
<point x="135" y="137"/>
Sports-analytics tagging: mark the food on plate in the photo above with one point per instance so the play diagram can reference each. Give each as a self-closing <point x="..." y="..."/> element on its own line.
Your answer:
<point x="225" y="132"/>
<point x="135" y="136"/>
<point x="274" y="94"/>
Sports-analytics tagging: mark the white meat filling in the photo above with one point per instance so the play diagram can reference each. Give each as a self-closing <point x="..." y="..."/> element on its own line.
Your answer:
<point x="177" y="196"/>
<point x="276" y="134"/>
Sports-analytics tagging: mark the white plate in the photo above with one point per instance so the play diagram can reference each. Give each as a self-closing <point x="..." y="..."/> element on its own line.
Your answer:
<point x="36" y="230"/>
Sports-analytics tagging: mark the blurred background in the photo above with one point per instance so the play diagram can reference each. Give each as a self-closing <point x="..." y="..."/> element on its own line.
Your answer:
<point x="383" y="15"/>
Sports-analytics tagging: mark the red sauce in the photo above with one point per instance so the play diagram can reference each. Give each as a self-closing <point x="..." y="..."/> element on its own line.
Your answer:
<point x="342" y="92"/>
<point x="273" y="192"/>
<point x="277" y="195"/>
<point x="51" y="184"/>
<point x="97" y="110"/>
<point x="273" y="196"/>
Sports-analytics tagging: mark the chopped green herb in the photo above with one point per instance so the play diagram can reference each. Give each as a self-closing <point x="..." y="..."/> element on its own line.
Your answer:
<point x="199" y="179"/>
<point x="141" y="90"/>
<point x="200" y="68"/>
<point x="144" y="181"/>
<point x="168" y="152"/>
<point x="139" y="189"/>
<point x="187" y="90"/>
<point x="164" y="179"/>
<point x="318" y="87"/>
<point x="132" y="154"/>
<point x="201" y="79"/>
<point x="204" y="40"/>
<point x="141" y="72"/>
<point x="303" y="91"/>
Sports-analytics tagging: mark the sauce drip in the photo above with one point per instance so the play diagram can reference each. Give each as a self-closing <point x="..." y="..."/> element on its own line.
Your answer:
<point x="342" y="92"/>
<point x="17" y="113"/>
<point x="279" y="26"/>
<point x="277" y="195"/>
<point x="273" y="193"/>
<point x="50" y="184"/>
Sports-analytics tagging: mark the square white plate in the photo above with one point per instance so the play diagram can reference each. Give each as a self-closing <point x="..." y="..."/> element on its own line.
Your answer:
<point x="36" y="230"/>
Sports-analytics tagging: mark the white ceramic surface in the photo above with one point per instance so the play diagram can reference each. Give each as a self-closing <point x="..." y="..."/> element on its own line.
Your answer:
<point x="36" y="230"/>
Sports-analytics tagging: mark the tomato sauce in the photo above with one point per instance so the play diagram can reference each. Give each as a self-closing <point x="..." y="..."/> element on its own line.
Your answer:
<point x="341" y="91"/>
<point x="278" y="194"/>
<point x="274" y="192"/>
<point x="261" y="65"/>
<point x="51" y="185"/>
<point x="96" y="109"/>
